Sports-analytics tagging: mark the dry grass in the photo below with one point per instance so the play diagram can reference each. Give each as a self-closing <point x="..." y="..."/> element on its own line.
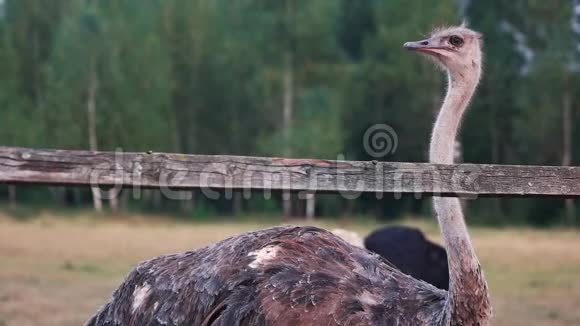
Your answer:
<point x="57" y="272"/>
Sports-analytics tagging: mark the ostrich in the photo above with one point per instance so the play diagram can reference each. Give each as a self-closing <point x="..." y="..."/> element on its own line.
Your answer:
<point x="408" y="249"/>
<point x="293" y="275"/>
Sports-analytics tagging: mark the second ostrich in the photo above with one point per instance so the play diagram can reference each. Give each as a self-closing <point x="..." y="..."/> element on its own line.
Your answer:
<point x="308" y="276"/>
<point x="409" y="250"/>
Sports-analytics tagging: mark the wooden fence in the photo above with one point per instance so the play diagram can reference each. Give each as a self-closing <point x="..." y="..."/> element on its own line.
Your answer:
<point x="180" y="172"/>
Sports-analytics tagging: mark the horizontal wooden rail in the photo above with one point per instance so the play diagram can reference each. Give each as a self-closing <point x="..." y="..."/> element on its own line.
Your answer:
<point x="178" y="171"/>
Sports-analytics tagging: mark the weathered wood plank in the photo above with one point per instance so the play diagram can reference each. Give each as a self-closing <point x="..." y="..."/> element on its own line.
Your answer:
<point x="178" y="171"/>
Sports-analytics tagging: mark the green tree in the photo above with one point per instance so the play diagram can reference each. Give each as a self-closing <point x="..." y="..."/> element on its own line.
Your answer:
<point x="104" y="93"/>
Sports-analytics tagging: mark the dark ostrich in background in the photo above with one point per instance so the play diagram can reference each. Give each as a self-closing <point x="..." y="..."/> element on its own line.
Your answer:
<point x="287" y="276"/>
<point x="408" y="250"/>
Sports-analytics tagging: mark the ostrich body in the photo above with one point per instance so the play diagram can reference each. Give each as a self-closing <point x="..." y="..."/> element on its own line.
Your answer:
<point x="408" y="250"/>
<point x="279" y="276"/>
<point x="308" y="276"/>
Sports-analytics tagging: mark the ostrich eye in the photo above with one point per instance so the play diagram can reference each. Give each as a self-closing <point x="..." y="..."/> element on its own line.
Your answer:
<point x="456" y="41"/>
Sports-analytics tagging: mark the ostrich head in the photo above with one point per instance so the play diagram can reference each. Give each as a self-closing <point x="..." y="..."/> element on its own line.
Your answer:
<point x="457" y="49"/>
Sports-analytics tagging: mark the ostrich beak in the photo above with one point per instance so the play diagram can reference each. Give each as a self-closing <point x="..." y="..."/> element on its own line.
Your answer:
<point x="421" y="46"/>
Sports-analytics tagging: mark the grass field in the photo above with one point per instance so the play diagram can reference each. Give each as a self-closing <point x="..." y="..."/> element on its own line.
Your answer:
<point x="57" y="271"/>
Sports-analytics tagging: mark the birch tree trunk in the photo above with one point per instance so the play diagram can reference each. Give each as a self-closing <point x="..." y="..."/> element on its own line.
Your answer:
<point x="567" y="142"/>
<point x="310" y="206"/>
<point x="92" y="127"/>
<point x="114" y="200"/>
<point x="288" y="102"/>
<point x="495" y="158"/>
<point x="287" y="122"/>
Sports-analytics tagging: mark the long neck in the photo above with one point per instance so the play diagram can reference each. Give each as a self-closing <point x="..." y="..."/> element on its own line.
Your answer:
<point x="468" y="297"/>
